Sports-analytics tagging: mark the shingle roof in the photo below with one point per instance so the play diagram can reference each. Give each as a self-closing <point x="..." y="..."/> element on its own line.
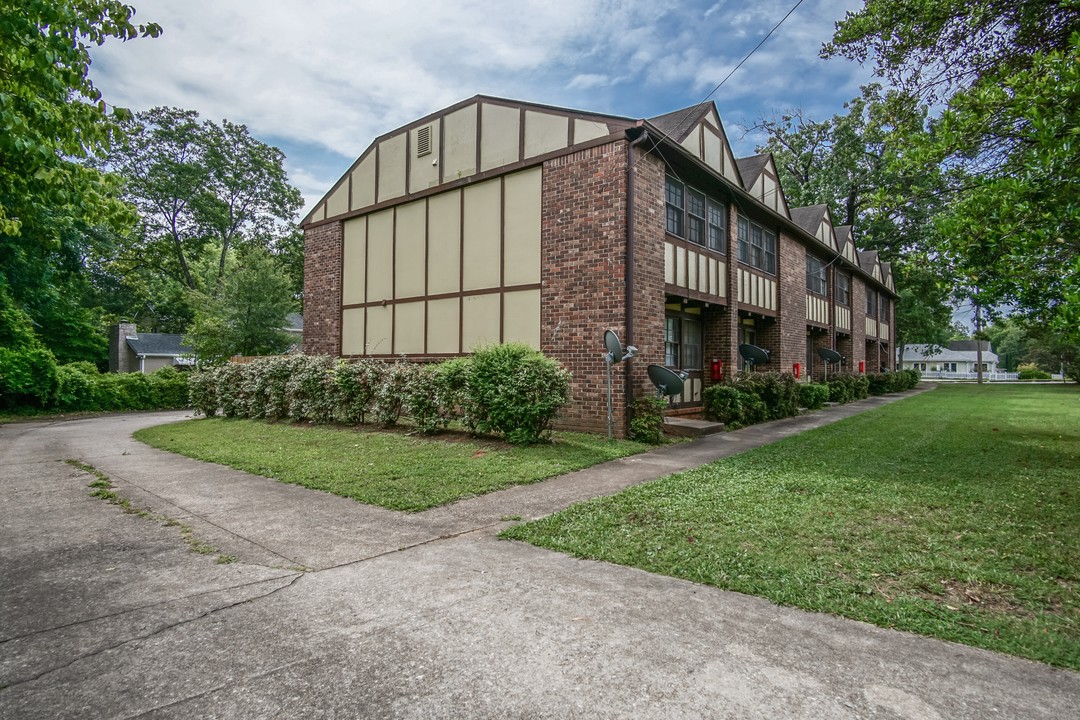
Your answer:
<point x="867" y="259"/>
<point x="751" y="167"/>
<point x="158" y="344"/>
<point x="678" y="123"/>
<point x="808" y="218"/>
<point x="969" y="345"/>
<point x="294" y="322"/>
<point x="843" y="235"/>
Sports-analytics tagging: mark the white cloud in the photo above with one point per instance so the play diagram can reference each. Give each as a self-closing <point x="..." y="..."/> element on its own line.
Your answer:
<point x="334" y="75"/>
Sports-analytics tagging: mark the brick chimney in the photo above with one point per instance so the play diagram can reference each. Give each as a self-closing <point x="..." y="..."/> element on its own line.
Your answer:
<point x="119" y="355"/>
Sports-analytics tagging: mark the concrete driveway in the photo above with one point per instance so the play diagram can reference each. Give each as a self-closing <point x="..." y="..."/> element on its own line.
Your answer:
<point x="336" y="609"/>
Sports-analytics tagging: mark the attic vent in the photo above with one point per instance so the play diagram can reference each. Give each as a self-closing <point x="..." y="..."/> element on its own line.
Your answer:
<point x="423" y="141"/>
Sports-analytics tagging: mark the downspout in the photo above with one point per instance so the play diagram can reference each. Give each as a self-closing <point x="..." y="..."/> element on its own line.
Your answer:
<point x="627" y="378"/>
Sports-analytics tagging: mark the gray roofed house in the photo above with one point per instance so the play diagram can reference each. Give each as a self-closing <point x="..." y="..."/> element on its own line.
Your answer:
<point x="959" y="358"/>
<point x="133" y="351"/>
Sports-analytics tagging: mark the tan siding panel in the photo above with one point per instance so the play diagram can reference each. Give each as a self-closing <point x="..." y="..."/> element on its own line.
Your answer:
<point x="521" y="319"/>
<point x="693" y="141"/>
<point x="363" y="183"/>
<point x="481" y="259"/>
<point x="409" y="328"/>
<point x="680" y="266"/>
<point x="352" y="280"/>
<point x="499" y="139"/>
<point x="669" y="263"/>
<point x="352" y="332"/>
<point x="444" y="243"/>
<point x="714" y="152"/>
<point x="424" y="170"/>
<point x="379" y="327"/>
<point x="544" y="132"/>
<point x="409" y="250"/>
<point x="692" y="270"/>
<point x="585" y="130"/>
<point x="380" y="255"/>
<point x="338" y="203"/>
<point x="392" y="167"/>
<point x="522" y="227"/>
<point x="459" y="150"/>
<point x="443" y="325"/>
<point x="480" y="321"/>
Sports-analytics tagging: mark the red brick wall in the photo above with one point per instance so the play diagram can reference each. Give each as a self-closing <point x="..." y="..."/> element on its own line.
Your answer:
<point x="322" y="289"/>
<point x="858" y="324"/>
<point x="582" y="252"/>
<point x="649" y="297"/>
<point x="791" y="324"/>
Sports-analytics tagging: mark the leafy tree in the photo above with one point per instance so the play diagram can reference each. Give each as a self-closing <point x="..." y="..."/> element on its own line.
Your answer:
<point x="51" y="199"/>
<point x="844" y="162"/>
<point x="1007" y="77"/>
<point x="198" y="184"/>
<point x="248" y="317"/>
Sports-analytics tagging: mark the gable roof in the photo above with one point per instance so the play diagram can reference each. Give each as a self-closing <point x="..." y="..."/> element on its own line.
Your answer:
<point x="158" y="344"/>
<point x="808" y="218"/>
<point x="677" y="125"/>
<point x="867" y="260"/>
<point x="750" y="168"/>
<point x="922" y="353"/>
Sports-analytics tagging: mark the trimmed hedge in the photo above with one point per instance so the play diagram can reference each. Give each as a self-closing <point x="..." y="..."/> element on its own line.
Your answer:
<point x="749" y="398"/>
<point x="647" y="419"/>
<point x="81" y="387"/>
<point x="508" y="390"/>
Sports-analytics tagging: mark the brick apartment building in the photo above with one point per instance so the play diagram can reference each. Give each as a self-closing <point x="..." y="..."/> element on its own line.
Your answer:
<point x="496" y="220"/>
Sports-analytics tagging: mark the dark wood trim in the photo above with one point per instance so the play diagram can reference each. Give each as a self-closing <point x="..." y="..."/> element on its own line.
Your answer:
<point x="479" y="137"/>
<point x="502" y="248"/>
<point x="350" y="193"/>
<point x="408" y="161"/>
<point x="393" y="277"/>
<point x="461" y="269"/>
<point x="467" y="293"/>
<point x="427" y="265"/>
<point x="377" y="154"/>
<point x="521" y="134"/>
<point x="341" y="290"/>
<point x="569" y="131"/>
<point x="696" y="295"/>
<point x="478" y="177"/>
<point x="441" y="155"/>
<point x="367" y="275"/>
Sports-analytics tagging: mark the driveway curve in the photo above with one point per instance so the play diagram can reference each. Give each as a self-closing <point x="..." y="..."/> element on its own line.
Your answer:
<point x="303" y="604"/>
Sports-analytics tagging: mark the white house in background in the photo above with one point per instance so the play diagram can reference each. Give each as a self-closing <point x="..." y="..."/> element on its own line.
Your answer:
<point x="958" y="358"/>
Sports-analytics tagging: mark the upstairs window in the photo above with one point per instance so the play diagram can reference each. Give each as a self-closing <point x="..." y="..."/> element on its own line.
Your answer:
<point x="815" y="276"/>
<point x="674" y="196"/>
<point x="843" y="289"/>
<point x="883" y="307"/>
<point x="694" y="216"/>
<point x="871" y="302"/>
<point x="757" y="246"/>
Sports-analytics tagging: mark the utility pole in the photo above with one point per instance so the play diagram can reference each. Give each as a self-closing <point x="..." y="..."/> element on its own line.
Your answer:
<point x="978" y="344"/>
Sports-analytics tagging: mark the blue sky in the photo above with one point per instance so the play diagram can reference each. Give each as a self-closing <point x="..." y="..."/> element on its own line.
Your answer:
<point x="320" y="79"/>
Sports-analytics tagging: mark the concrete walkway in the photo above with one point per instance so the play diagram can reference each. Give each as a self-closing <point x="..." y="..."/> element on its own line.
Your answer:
<point x="337" y="609"/>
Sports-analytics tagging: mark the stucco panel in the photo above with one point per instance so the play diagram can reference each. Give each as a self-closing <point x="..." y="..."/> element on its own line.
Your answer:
<point x="444" y="242"/>
<point x="459" y="150"/>
<point x="380" y="255"/>
<point x="409" y="244"/>
<point x="499" y="136"/>
<point x="353" y="266"/>
<point x="522" y="228"/>
<point x="481" y="259"/>
<point x="392" y="167"/>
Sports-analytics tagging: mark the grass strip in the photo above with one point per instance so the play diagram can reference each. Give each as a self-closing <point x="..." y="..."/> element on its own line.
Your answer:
<point x="388" y="469"/>
<point x="953" y="514"/>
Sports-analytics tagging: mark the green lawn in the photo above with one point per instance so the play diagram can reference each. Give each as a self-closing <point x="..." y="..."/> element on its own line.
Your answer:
<point x="393" y="470"/>
<point x="955" y="514"/>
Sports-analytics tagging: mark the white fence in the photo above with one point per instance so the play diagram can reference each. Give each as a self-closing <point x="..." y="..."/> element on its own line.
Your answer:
<point x="939" y="375"/>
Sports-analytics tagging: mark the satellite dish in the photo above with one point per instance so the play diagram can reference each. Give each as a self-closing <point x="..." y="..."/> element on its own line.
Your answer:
<point x="667" y="382"/>
<point x="613" y="345"/>
<point x="829" y="356"/>
<point x="754" y="354"/>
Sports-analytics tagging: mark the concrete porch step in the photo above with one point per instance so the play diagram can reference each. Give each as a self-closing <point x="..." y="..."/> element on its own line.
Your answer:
<point x="689" y="427"/>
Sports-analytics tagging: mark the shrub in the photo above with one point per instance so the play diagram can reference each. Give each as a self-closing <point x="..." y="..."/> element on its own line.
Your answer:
<point x="1031" y="371"/>
<point x="514" y="391"/>
<point x="356" y="383"/>
<point x="310" y="388"/>
<point x="231" y="391"/>
<point x="27" y="375"/>
<point x="391" y="392"/>
<point x="733" y="405"/>
<point x="813" y="396"/>
<point x="778" y="391"/>
<point x="424" y="401"/>
<point x="848" y="387"/>
<point x="647" y="419"/>
<point x="169" y="388"/>
<point x="202" y="392"/>
<point x="879" y="383"/>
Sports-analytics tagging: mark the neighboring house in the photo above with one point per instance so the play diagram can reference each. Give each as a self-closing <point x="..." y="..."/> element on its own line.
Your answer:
<point x="496" y="220"/>
<point x="294" y="327"/>
<point x="959" y="357"/>
<point x="133" y="351"/>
